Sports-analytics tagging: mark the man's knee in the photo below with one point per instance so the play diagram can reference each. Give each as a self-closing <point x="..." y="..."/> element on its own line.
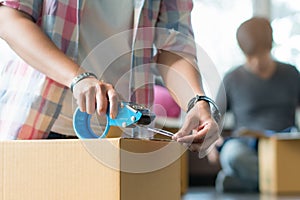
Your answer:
<point x="233" y="153"/>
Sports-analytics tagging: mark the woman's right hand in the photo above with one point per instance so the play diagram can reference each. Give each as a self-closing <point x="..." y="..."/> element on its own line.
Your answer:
<point x="93" y="95"/>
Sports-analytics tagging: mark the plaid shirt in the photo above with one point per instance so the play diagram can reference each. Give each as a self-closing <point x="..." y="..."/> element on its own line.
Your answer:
<point x="28" y="112"/>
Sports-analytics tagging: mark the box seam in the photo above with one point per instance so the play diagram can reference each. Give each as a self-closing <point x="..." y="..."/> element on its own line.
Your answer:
<point x="2" y="178"/>
<point x="275" y="175"/>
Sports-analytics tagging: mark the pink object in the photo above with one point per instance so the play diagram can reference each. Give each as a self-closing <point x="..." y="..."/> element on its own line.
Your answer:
<point x="164" y="104"/>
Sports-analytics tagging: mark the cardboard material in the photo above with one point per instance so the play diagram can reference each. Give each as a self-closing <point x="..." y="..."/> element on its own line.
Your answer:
<point x="116" y="132"/>
<point x="113" y="168"/>
<point x="184" y="162"/>
<point x="184" y="173"/>
<point x="279" y="163"/>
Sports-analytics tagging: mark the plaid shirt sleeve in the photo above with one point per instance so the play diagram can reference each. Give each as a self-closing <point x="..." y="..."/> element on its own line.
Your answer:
<point x="166" y="24"/>
<point x="29" y="110"/>
<point x="31" y="7"/>
<point x="174" y="29"/>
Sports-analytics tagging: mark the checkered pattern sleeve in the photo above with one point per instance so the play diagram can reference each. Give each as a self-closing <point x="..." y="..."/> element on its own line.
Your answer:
<point x="174" y="29"/>
<point x="33" y="101"/>
<point x="31" y="7"/>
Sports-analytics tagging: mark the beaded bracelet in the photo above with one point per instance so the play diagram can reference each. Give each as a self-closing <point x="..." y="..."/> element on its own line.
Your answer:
<point x="81" y="77"/>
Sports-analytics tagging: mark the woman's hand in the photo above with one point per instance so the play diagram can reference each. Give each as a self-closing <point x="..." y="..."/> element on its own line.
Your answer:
<point x="199" y="131"/>
<point x="93" y="95"/>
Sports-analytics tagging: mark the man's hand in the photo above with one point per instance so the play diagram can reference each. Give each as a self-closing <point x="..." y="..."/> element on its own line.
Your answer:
<point x="92" y="94"/>
<point x="199" y="131"/>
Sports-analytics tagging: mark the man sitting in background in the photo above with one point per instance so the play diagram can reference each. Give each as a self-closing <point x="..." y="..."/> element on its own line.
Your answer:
<point x="263" y="95"/>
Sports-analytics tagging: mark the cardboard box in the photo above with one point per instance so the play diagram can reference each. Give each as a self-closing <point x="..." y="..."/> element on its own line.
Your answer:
<point x="184" y="162"/>
<point x="184" y="173"/>
<point x="279" y="163"/>
<point x="108" y="169"/>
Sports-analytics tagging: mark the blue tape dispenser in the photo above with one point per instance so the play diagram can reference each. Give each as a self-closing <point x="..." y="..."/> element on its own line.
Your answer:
<point x="129" y="115"/>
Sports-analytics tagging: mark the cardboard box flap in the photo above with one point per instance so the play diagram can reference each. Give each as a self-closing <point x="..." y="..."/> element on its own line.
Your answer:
<point x="1" y="170"/>
<point x="251" y="133"/>
<point x="267" y="134"/>
<point x="287" y="136"/>
<point x="143" y="156"/>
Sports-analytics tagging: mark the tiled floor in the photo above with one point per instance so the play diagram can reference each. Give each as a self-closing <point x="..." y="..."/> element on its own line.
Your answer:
<point x="208" y="193"/>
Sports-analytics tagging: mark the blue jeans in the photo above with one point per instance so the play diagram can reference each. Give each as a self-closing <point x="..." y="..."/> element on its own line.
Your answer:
<point x="240" y="162"/>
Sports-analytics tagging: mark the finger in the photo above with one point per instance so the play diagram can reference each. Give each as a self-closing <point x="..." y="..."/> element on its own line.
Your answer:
<point x="81" y="103"/>
<point x="90" y="100"/>
<point x="113" y="102"/>
<point x="193" y="138"/>
<point x="101" y="99"/>
<point x="196" y="135"/>
<point x="186" y="129"/>
<point x="98" y="99"/>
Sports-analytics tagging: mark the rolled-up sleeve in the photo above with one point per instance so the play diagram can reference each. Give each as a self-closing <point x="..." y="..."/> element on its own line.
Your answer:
<point x="174" y="29"/>
<point x="31" y="7"/>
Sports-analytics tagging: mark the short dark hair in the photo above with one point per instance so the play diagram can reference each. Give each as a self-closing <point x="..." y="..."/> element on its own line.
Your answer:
<point x="255" y="35"/>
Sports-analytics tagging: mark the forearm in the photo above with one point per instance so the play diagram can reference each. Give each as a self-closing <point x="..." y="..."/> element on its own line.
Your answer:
<point x="180" y="76"/>
<point x="34" y="47"/>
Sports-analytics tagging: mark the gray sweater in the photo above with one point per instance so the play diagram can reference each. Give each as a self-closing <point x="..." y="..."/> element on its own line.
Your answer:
<point x="263" y="104"/>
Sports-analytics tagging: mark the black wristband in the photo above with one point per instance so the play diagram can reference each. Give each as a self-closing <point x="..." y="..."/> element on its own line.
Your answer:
<point x="194" y="100"/>
<point x="81" y="77"/>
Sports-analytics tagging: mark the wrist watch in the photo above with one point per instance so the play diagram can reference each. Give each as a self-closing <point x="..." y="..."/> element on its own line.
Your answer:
<point x="215" y="110"/>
